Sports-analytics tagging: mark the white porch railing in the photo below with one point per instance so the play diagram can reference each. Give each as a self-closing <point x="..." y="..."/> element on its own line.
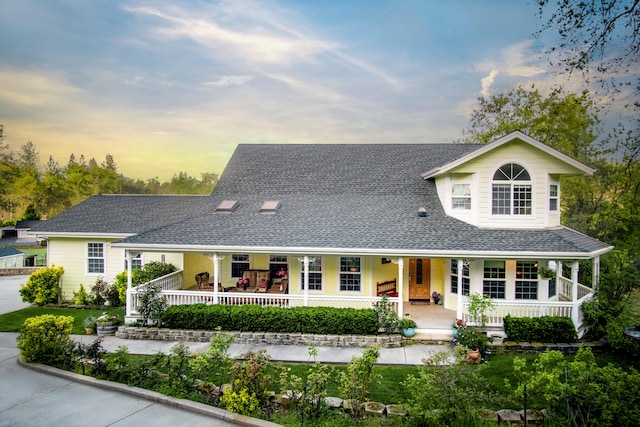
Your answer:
<point x="170" y="282"/>
<point x="531" y="308"/>
<point x="179" y="297"/>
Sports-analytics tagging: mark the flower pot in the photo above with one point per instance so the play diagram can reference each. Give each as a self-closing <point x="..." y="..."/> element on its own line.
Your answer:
<point x="106" y="328"/>
<point x="474" y="356"/>
<point x="456" y="333"/>
<point x="408" y="332"/>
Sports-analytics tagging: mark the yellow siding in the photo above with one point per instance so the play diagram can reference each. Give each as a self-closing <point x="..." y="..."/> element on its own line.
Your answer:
<point x="71" y="255"/>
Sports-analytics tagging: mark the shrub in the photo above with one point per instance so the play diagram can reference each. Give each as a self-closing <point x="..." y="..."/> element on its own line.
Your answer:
<point x="254" y="318"/>
<point x="43" y="286"/>
<point x="151" y="305"/>
<point x="81" y="297"/>
<point x="579" y="392"/>
<point x="151" y="270"/>
<point x="551" y="329"/>
<point x="460" y="389"/>
<point x="103" y="292"/>
<point x="121" y="286"/>
<point x="250" y="382"/>
<point x="356" y="380"/>
<point x="472" y="338"/>
<point x="45" y="339"/>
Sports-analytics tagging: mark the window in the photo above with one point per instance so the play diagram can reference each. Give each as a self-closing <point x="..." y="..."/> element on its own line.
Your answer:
<point x="553" y="197"/>
<point x="136" y="262"/>
<point x="514" y="197"/>
<point x="350" y="274"/>
<point x="239" y="263"/>
<point x="95" y="258"/>
<point x="526" y="280"/>
<point x="277" y="263"/>
<point x="494" y="279"/>
<point x="461" y="196"/>
<point x="315" y="275"/>
<point x="454" y="277"/>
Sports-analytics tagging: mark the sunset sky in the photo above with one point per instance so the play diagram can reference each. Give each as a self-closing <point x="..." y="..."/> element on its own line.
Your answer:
<point x="170" y="86"/>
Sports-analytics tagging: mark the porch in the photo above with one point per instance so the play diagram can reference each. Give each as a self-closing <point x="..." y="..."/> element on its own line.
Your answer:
<point x="433" y="320"/>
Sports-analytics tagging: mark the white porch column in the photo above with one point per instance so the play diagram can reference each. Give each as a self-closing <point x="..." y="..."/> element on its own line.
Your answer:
<point x="215" y="258"/>
<point x="596" y="273"/>
<point x="400" y="262"/>
<point x="460" y="272"/>
<point x="129" y="307"/>
<point x="305" y="279"/>
<point x="575" y="268"/>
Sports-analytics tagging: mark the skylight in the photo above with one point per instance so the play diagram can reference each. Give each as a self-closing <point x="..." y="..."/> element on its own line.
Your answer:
<point x="227" y="206"/>
<point x="270" y="206"/>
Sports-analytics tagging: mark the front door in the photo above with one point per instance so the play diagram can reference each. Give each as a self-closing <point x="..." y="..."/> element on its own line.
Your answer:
<point x="419" y="279"/>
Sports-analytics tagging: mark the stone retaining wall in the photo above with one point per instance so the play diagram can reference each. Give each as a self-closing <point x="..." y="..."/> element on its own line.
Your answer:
<point x="512" y="347"/>
<point x="18" y="271"/>
<point x="162" y="334"/>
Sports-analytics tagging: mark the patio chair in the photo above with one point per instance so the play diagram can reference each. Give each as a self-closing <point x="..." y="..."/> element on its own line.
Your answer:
<point x="202" y="280"/>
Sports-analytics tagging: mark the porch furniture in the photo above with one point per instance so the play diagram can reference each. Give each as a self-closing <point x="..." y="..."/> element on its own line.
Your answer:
<point x="202" y="280"/>
<point x="256" y="277"/>
<point x="279" y="288"/>
<point x="388" y="288"/>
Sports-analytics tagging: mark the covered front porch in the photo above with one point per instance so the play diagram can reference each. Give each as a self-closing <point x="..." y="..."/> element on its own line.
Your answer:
<point x="410" y="290"/>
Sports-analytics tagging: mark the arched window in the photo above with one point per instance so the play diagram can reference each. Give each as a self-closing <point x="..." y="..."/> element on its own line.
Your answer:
<point x="511" y="192"/>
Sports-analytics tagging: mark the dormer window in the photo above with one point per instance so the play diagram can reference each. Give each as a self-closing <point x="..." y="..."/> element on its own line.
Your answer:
<point x="511" y="191"/>
<point x="461" y="196"/>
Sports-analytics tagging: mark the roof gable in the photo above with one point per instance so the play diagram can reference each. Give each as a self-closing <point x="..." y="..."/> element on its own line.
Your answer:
<point x="513" y="136"/>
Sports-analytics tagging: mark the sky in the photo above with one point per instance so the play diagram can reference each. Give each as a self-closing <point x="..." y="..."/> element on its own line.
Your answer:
<point x="171" y="86"/>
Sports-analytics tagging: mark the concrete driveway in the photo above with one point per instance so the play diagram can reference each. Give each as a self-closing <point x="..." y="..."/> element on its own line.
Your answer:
<point x="10" y="299"/>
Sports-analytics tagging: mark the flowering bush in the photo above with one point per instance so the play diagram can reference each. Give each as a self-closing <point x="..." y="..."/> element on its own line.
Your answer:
<point x="459" y="324"/>
<point x="108" y="318"/>
<point x="281" y="273"/>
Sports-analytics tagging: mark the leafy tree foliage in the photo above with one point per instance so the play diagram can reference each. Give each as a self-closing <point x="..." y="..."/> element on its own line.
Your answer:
<point x="27" y="187"/>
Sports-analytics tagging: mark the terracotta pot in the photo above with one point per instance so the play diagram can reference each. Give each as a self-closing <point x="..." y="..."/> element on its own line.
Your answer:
<point x="474" y="356"/>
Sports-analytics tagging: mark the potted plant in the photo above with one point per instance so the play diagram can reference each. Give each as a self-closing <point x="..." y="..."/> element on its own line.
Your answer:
<point x="436" y="297"/>
<point x="546" y="273"/>
<point x="475" y="341"/>
<point x="458" y="328"/>
<point x="89" y="324"/>
<point x="407" y="326"/>
<point x="243" y="283"/>
<point x="107" y="324"/>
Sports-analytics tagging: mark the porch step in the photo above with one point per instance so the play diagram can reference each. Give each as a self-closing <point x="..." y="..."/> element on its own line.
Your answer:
<point x="436" y="335"/>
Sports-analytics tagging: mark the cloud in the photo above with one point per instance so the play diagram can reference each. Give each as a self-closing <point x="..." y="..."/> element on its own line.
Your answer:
<point x="487" y="82"/>
<point x="230" y="81"/>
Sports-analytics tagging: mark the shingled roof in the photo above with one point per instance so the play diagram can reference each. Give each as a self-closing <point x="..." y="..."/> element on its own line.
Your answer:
<point x="360" y="199"/>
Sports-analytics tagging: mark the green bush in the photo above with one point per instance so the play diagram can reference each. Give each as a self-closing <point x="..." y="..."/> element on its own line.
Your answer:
<point x="151" y="270"/>
<point x="43" y="286"/>
<point x="549" y="329"/>
<point x="254" y="318"/>
<point x="81" y="297"/>
<point x="45" y="339"/>
<point x="579" y="392"/>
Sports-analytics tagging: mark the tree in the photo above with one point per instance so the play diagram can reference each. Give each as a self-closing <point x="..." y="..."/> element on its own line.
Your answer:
<point x="566" y="122"/>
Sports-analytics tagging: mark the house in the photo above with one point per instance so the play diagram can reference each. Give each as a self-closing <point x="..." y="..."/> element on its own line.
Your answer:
<point x="11" y="258"/>
<point x="348" y="223"/>
<point x="24" y="226"/>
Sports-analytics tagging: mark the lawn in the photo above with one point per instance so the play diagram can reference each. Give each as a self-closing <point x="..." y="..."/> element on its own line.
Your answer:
<point x="12" y="322"/>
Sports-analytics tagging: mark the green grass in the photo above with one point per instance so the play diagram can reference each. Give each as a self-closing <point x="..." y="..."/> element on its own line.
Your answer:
<point x="12" y="322"/>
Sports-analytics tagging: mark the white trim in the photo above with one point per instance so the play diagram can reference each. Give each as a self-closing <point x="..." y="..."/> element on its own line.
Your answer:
<point x="104" y="258"/>
<point x="501" y="141"/>
<point x="379" y="252"/>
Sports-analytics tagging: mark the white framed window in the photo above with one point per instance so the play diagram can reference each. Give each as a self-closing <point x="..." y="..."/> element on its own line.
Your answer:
<point x="466" y="280"/>
<point x="95" y="258"/>
<point x="315" y="275"/>
<point x="512" y="192"/>
<point x="461" y="196"/>
<point x="350" y="274"/>
<point x="239" y="263"/>
<point x="526" y="280"/>
<point x="278" y="263"/>
<point x="136" y="262"/>
<point x="494" y="282"/>
<point x="553" y="197"/>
